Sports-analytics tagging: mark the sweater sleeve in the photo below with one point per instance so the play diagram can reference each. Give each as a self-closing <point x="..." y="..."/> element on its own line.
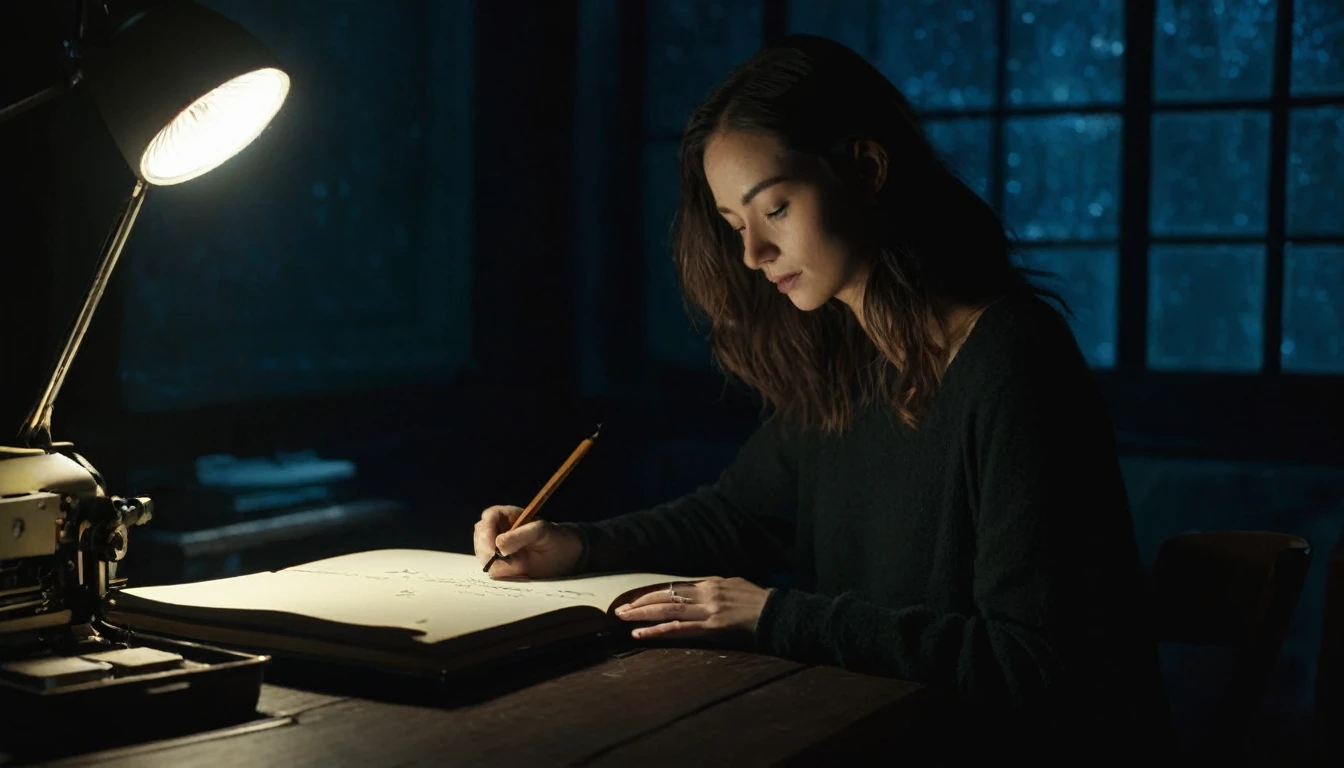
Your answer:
<point x="742" y="525"/>
<point x="1037" y="447"/>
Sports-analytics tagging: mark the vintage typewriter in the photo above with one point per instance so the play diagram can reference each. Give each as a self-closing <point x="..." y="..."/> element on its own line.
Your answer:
<point x="63" y="670"/>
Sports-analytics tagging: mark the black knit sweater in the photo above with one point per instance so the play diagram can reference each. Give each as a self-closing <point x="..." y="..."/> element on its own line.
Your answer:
<point x="989" y="554"/>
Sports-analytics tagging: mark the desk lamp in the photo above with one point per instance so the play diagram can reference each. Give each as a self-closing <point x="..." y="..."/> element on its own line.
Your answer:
<point x="181" y="89"/>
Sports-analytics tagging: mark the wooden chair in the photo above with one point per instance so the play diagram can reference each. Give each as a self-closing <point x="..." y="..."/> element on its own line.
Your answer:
<point x="1329" y="715"/>
<point x="1234" y="590"/>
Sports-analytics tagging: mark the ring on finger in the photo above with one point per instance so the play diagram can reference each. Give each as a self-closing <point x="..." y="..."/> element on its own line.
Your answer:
<point x="672" y="593"/>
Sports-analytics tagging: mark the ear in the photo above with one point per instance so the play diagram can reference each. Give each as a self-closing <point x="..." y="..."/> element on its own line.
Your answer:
<point x="870" y="158"/>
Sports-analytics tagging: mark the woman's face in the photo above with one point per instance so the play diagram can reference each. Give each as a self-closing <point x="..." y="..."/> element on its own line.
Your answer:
<point x="796" y="227"/>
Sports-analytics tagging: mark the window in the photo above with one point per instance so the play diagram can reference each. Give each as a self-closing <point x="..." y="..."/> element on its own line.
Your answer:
<point x="1235" y="117"/>
<point x="1245" y="194"/>
<point x="1016" y="103"/>
<point x="1025" y="107"/>
<point x="333" y="253"/>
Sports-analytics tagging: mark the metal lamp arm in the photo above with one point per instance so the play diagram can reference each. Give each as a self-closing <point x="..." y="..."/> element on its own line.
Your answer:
<point x="73" y="51"/>
<point x="36" y="432"/>
<point x="41" y="97"/>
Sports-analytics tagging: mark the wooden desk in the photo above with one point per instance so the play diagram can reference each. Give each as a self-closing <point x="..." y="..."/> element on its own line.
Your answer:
<point x="655" y="706"/>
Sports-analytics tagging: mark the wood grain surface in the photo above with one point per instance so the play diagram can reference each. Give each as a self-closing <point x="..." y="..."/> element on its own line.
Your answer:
<point x="657" y="706"/>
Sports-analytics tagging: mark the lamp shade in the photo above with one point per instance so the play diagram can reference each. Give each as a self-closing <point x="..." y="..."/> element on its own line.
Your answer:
<point x="182" y="89"/>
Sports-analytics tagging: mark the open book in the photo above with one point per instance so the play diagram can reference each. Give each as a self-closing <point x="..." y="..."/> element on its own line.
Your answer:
<point x="409" y="610"/>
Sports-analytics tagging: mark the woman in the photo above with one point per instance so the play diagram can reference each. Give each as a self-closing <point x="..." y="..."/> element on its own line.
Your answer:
<point x="937" y="470"/>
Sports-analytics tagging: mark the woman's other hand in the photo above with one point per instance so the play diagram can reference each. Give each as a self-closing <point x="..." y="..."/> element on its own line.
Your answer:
<point x="697" y="609"/>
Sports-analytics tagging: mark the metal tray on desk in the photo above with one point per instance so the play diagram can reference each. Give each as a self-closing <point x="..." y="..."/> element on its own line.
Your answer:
<point x="216" y="688"/>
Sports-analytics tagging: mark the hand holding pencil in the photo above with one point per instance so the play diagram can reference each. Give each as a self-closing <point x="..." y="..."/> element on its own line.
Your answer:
<point x="510" y="542"/>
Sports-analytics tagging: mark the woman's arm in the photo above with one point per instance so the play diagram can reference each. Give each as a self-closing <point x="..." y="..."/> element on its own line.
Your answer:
<point x="742" y="525"/>
<point x="1051" y="530"/>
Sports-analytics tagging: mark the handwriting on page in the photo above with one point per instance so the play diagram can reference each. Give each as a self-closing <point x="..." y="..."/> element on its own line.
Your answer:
<point x="410" y="583"/>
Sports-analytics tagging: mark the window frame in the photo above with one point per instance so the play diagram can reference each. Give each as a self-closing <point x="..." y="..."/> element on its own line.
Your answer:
<point x="1267" y="414"/>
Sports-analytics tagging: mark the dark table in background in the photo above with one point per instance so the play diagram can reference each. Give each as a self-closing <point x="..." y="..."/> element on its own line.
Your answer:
<point x="264" y="542"/>
<point x="667" y="706"/>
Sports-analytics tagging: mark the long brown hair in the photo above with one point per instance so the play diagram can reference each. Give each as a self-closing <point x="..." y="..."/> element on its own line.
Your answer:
<point x="938" y="243"/>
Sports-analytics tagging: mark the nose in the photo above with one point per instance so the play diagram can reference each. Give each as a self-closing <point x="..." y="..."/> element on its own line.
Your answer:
<point x="757" y="251"/>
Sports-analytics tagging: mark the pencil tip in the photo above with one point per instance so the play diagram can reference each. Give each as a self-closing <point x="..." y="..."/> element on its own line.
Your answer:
<point x="597" y="431"/>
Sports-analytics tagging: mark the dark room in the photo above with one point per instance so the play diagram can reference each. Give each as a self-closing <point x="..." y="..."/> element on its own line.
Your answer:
<point x="671" y="382"/>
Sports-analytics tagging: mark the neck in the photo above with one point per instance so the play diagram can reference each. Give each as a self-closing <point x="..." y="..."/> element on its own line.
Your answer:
<point x="852" y="294"/>
<point x="949" y="324"/>
<point x="956" y="325"/>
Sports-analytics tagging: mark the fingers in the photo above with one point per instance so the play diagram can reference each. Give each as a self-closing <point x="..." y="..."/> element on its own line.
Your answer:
<point x="506" y="569"/>
<point x="512" y="541"/>
<point x="501" y="515"/>
<point x="493" y="521"/>
<point x="658" y="605"/>
<point x="665" y="612"/>
<point x="672" y="629"/>
<point x="481" y="541"/>
<point x="692" y="610"/>
<point x="664" y="595"/>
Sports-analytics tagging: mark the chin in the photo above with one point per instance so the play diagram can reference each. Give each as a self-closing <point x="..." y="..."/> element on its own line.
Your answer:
<point x="806" y="300"/>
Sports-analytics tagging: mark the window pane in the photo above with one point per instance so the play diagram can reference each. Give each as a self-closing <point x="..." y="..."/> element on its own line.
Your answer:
<point x="941" y="55"/>
<point x="1315" y="175"/>
<point x="1063" y="52"/>
<point x="1206" y="307"/>
<point x="1212" y="51"/>
<point x="844" y="21"/>
<point x="965" y="145"/>
<point x="692" y="46"/>
<point x="1210" y="173"/>
<point x="1318" y="46"/>
<point x="667" y="326"/>
<point x="1087" y="279"/>
<point x="1313" y="309"/>
<point x="1062" y="176"/>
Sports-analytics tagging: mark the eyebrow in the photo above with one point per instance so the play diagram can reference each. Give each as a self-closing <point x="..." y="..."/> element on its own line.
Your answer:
<point x="762" y="185"/>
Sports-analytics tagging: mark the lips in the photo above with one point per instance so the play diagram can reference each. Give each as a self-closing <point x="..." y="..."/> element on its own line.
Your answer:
<point x="786" y="283"/>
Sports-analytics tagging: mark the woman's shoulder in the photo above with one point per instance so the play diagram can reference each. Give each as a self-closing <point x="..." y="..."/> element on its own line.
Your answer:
<point x="1024" y="317"/>
<point x="1023" y="336"/>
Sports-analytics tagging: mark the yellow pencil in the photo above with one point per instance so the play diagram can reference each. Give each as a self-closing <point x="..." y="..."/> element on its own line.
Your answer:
<point x="546" y="491"/>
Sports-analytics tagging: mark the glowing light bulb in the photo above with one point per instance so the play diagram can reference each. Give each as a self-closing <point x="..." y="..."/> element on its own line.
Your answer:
<point x="214" y="128"/>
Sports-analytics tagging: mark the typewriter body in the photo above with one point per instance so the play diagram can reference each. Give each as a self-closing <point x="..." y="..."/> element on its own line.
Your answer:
<point x="63" y="536"/>
<point x="68" y="679"/>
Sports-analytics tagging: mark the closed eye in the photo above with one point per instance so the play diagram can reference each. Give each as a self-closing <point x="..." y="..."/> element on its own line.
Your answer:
<point x="775" y="214"/>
